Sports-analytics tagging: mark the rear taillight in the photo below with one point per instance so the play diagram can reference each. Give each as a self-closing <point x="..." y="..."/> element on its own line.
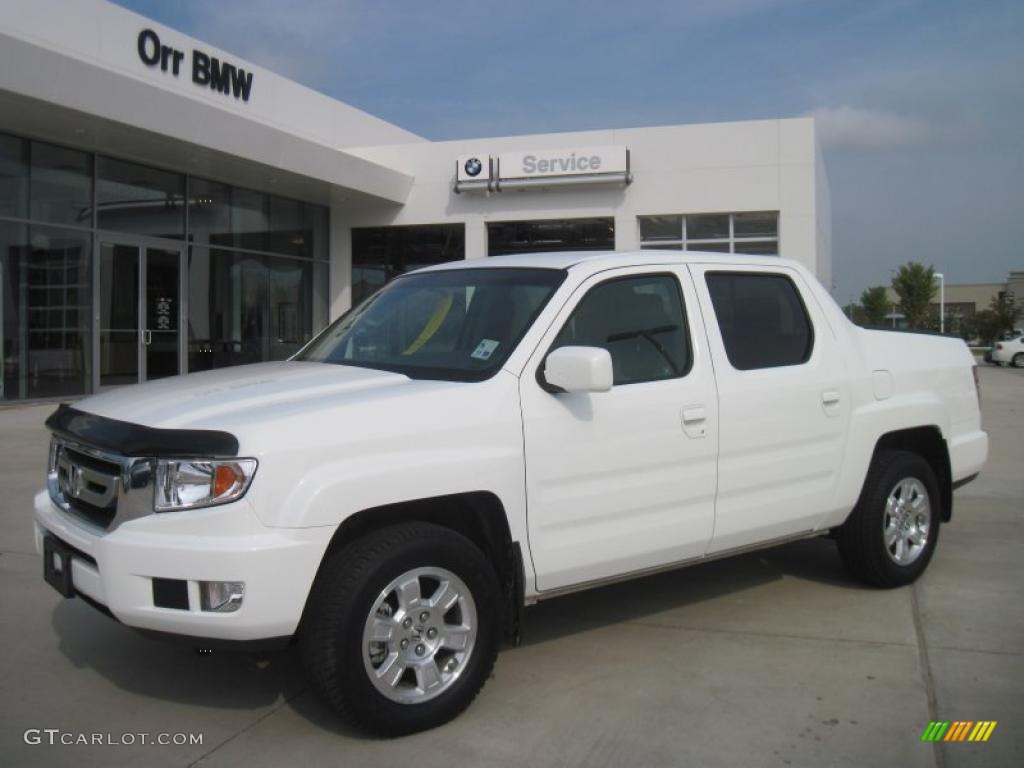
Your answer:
<point x="999" y="346"/>
<point x="977" y="384"/>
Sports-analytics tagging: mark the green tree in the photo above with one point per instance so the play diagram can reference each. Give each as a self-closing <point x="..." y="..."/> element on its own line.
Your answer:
<point x="874" y="305"/>
<point x="914" y="283"/>
<point x="999" y="318"/>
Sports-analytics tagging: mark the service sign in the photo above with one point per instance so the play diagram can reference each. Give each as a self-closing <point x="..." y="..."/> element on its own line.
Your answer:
<point x="474" y="168"/>
<point x="583" y="161"/>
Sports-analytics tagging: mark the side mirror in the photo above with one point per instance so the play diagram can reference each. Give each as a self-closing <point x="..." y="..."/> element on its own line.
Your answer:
<point x="579" y="369"/>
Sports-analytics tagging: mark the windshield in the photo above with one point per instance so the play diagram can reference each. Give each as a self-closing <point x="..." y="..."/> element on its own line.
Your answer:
<point x="459" y="324"/>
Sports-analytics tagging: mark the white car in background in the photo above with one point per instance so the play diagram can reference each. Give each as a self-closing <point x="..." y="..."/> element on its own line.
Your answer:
<point x="1009" y="352"/>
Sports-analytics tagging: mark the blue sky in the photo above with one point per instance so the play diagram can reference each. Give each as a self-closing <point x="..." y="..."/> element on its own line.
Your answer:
<point x="920" y="103"/>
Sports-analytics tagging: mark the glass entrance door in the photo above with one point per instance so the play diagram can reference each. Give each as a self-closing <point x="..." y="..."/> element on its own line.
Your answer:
<point x="139" y="313"/>
<point x="161" y="335"/>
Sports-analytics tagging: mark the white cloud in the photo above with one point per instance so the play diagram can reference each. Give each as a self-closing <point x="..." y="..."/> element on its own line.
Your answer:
<point x="854" y="128"/>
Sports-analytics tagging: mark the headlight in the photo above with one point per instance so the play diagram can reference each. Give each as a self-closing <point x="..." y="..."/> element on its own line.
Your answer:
<point x="200" y="483"/>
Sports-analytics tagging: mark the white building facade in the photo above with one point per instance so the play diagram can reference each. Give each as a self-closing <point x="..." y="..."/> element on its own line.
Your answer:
<point x="166" y="207"/>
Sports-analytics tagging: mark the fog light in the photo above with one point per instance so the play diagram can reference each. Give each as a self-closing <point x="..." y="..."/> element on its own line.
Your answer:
<point x="221" y="596"/>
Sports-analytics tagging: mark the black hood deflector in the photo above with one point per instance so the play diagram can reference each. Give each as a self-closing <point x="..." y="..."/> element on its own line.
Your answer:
<point x="129" y="439"/>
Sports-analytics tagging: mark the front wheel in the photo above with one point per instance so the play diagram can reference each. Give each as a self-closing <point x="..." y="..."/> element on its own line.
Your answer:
<point x="890" y="536"/>
<point x="402" y="628"/>
<point x="1018" y="360"/>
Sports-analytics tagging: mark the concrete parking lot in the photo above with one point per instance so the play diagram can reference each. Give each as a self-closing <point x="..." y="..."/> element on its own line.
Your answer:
<point x="775" y="658"/>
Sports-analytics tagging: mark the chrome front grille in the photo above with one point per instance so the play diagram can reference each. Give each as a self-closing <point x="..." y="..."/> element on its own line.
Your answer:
<point x="82" y="478"/>
<point x="97" y="487"/>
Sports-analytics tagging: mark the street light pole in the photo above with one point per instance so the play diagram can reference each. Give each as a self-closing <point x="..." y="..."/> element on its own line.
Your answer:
<point x="942" y="301"/>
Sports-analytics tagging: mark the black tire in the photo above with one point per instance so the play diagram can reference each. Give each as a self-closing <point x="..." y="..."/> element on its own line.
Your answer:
<point x="350" y="584"/>
<point x="1018" y="360"/>
<point x="861" y="539"/>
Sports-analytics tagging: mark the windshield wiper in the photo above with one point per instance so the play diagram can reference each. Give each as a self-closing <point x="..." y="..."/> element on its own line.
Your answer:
<point x="648" y="335"/>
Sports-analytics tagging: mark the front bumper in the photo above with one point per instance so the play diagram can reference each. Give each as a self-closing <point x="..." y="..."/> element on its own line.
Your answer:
<point x="115" y="569"/>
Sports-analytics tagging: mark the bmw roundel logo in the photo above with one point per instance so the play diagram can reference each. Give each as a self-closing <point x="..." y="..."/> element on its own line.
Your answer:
<point x="473" y="166"/>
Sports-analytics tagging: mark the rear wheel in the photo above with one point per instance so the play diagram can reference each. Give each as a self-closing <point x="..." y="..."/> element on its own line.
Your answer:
<point x="402" y="628"/>
<point x="890" y="536"/>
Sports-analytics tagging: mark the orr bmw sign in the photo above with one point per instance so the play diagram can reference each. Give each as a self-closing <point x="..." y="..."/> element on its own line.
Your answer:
<point x="206" y="69"/>
<point x="555" y="167"/>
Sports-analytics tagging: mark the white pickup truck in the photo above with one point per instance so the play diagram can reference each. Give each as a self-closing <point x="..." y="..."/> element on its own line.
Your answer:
<point x="482" y="435"/>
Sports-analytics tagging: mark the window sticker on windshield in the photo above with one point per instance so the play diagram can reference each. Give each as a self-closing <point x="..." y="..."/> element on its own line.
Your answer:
<point x="485" y="349"/>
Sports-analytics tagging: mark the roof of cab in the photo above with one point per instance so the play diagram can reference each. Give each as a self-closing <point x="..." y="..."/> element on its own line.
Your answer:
<point x="598" y="260"/>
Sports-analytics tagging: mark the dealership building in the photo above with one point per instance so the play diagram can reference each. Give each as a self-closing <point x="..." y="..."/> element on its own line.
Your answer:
<point x="167" y="207"/>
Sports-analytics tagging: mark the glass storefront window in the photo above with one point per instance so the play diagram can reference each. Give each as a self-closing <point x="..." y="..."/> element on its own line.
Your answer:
<point x="315" y="220"/>
<point x="45" y="295"/>
<point x="505" y="237"/>
<point x="286" y="232"/>
<point x="750" y="232"/>
<point x="258" y="272"/>
<point x="209" y="213"/>
<point x="13" y="177"/>
<point x="707" y="226"/>
<point x="382" y="253"/>
<point x="757" y="247"/>
<point x="138" y="199"/>
<point x="250" y="219"/>
<point x="119" y="314"/>
<point x="61" y="185"/>
<point x="13" y="318"/>
<point x="232" y="217"/>
<point x="757" y="224"/>
<point x="246" y="308"/>
<point x="227" y="309"/>
<point x="290" y="297"/>
<point x="714" y="247"/>
<point x="661" y="228"/>
<point x="321" y="295"/>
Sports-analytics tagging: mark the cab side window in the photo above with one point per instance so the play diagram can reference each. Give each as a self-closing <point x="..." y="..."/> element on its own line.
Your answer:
<point x="640" y="321"/>
<point x="763" y="320"/>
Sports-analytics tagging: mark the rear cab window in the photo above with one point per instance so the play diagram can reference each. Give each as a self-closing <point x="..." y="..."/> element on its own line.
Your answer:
<point x="762" y="318"/>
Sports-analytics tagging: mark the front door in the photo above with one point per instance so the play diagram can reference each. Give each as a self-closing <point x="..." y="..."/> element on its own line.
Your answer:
<point x="624" y="480"/>
<point x="139" y="312"/>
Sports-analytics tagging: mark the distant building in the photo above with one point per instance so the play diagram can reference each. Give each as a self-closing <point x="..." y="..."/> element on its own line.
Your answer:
<point x="963" y="300"/>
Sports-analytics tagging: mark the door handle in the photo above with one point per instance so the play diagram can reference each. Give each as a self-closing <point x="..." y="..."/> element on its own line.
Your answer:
<point x="693" y="414"/>
<point x="693" y="418"/>
<point x="147" y="337"/>
<point x="830" y="403"/>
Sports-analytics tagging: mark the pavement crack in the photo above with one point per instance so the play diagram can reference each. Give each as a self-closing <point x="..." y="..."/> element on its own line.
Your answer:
<point x="247" y="728"/>
<point x="926" y="672"/>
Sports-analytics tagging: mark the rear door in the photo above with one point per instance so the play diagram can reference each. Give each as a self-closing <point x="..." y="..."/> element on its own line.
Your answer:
<point x="623" y="480"/>
<point x="783" y="403"/>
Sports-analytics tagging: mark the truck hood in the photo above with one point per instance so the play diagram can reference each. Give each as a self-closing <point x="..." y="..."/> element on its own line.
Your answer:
<point x="221" y="398"/>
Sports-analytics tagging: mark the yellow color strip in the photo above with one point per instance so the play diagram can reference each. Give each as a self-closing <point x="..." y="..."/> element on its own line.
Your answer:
<point x="432" y="325"/>
<point x="988" y="731"/>
<point x="978" y="729"/>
